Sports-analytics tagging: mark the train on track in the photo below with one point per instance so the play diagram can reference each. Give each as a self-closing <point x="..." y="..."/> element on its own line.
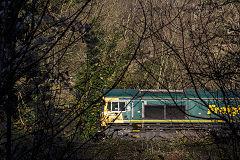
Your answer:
<point x="160" y="108"/>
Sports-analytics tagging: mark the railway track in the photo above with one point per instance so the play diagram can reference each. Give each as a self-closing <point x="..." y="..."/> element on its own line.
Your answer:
<point x="166" y="131"/>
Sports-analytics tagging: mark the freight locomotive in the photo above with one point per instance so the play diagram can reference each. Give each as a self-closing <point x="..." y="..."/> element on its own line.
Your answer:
<point x="160" y="107"/>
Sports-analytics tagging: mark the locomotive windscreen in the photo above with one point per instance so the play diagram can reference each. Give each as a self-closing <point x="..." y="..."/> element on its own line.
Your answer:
<point x="164" y="112"/>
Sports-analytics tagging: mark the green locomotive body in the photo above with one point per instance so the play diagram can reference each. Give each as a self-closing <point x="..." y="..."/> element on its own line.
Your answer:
<point x="145" y="106"/>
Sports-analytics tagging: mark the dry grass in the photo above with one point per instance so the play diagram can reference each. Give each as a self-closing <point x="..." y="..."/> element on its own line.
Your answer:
<point x="178" y="149"/>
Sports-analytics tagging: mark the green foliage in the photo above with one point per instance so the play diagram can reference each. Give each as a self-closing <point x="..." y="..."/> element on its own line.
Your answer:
<point x="89" y="122"/>
<point x="103" y="59"/>
<point x="103" y="62"/>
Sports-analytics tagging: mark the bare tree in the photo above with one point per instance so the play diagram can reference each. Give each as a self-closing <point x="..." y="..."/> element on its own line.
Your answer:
<point x="40" y="110"/>
<point x="195" y="45"/>
<point x="33" y="41"/>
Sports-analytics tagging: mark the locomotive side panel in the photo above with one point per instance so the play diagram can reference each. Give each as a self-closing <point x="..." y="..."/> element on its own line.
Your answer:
<point x="133" y="106"/>
<point x="165" y="109"/>
<point x="197" y="110"/>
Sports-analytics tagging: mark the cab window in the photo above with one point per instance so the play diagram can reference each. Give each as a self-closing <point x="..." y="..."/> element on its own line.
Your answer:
<point x="116" y="106"/>
<point x="122" y="106"/>
<point x="109" y="106"/>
